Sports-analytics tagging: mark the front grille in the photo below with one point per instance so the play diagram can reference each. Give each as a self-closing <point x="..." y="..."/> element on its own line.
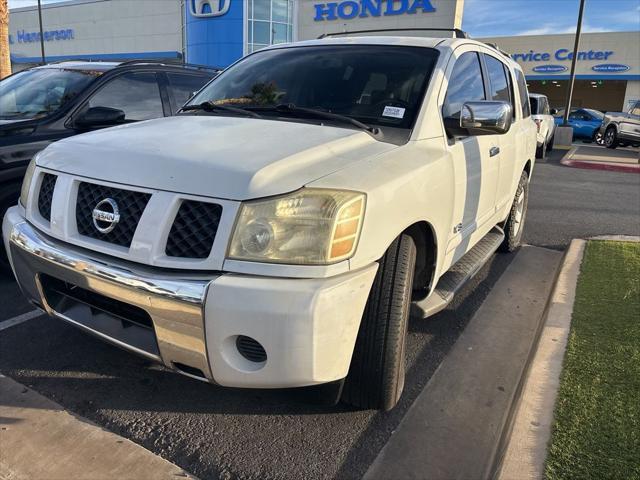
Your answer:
<point x="55" y="290"/>
<point x="251" y="349"/>
<point x="131" y="205"/>
<point x="45" y="196"/>
<point x="193" y="230"/>
<point x="126" y="323"/>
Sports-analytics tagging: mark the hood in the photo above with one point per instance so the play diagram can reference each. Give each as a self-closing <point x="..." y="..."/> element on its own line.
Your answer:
<point x="224" y="157"/>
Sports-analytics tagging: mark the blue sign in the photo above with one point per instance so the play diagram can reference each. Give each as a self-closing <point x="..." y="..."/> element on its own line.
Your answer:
<point x="49" y="36"/>
<point x="350" y="9"/>
<point x="549" y="68"/>
<point x="214" y="31"/>
<point x="610" y="67"/>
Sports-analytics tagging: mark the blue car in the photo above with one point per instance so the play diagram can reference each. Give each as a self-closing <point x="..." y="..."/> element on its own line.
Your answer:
<point x="585" y="122"/>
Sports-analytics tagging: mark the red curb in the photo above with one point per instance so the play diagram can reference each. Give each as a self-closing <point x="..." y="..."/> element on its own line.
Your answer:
<point x="601" y="166"/>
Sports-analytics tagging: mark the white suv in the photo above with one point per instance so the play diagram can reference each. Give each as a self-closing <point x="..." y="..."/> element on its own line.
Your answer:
<point x="278" y="231"/>
<point x="545" y="123"/>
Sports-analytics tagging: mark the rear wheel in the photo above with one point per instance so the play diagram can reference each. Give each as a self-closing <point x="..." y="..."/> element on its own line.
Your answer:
<point x="541" y="151"/>
<point x="376" y="374"/>
<point x="514" y="226"/>
<point x="550" y="142"/>
<point x="611" y="138"/>
<point x="597" y="138"/>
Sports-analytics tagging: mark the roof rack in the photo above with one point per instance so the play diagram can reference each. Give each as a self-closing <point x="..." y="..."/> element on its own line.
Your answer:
<point x="140" y="61"/>
<point x="496" y="47"/>
<point x="458" y="33"/>
<point x="67" y="60"/>
<point x="177" y="63"/>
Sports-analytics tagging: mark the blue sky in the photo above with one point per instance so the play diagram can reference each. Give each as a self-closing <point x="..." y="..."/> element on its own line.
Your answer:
<point x="491" y="18"/>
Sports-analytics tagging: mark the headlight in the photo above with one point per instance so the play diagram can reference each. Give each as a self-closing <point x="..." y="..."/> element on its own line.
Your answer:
<point x="308" y="227"/>
<point x="26" y="183"/>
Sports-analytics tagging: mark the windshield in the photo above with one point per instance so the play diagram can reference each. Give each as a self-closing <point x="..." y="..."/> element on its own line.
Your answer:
<point x="39" y="92"/>
<point x="595" y="113"/>
<point x="377" y="85"/>
<point x="534" y="105"/>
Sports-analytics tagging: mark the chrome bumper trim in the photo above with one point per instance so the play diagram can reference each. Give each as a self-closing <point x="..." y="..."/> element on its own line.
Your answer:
<point x="175" y="302"/>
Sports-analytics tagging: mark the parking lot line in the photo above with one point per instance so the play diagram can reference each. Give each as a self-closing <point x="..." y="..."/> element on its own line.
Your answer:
<point x="20" y="319"/>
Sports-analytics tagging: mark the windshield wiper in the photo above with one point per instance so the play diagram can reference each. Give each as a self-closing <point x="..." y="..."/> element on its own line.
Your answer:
<point x="292" y="108"/>
<point x="212" y="107"/>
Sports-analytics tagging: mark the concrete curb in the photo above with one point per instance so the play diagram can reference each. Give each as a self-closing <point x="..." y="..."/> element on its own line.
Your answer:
<point x="39" y="439"/>
<point x="526" y="447"/>
<point x="610" y="167"/>
<point x="617" y="238"/>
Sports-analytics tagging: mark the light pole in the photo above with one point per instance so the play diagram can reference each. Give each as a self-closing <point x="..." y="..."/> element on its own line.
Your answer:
<point x="572" y="76"/>
<point x="41" y="32"/>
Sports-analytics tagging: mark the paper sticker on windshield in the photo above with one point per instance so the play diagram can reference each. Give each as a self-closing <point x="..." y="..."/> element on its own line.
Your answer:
<point x="393" y="112"/>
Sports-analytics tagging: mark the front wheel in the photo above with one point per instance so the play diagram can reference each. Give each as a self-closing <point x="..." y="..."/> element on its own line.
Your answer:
<point x="514" y="226"/>
<point x="611" y="138"/>
<point x="376" y="374"/>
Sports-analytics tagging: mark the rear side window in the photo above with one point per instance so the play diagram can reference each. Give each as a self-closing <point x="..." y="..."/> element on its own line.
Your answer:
<point x="499" y="86"/>
<point x="524" y="94"/>
<point x="465" y="85"/>
<point x="136" y="94"/>
<point x="184" y="86"/>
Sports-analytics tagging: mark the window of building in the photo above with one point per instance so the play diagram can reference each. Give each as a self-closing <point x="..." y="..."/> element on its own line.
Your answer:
<point x="136" y="94"/>
<point x="270" y="22"/>
<point x="465" y="85"/>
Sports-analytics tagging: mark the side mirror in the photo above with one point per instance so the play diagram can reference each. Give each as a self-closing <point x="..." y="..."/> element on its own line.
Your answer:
<point x="96" y="117"/>
<point x="481" y="118"/>
<point x="553" y="111"/>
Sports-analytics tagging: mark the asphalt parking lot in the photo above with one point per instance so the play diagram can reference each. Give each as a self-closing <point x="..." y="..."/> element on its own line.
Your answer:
<point x="223" y="433"/>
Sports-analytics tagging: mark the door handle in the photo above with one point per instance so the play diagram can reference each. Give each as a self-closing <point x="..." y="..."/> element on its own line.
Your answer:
<point x="494" y="151"/>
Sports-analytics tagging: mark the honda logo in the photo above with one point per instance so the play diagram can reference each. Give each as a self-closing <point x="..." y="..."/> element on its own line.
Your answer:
<point x="209" y="8"/>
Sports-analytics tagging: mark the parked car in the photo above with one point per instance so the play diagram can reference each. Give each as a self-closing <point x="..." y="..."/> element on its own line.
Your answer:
<point x="543" y="116"/>
<point x="585" y="122"/>
<point x="278" y="231"/>
<point x="45" y="104"/>
<point x="620" y="128"/>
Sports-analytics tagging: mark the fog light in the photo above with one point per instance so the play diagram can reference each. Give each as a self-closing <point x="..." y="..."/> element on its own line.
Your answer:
<point x="251" y="349"/>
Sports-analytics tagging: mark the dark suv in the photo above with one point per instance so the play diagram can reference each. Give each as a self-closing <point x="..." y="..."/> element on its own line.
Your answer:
<point x="44" y="104"/>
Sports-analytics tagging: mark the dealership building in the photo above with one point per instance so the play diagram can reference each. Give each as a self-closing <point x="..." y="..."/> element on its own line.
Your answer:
<point x="218" y="32"/>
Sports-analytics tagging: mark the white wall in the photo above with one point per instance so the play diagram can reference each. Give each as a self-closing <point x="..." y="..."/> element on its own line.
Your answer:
<point x="624" y="45"/>
<point x="102" y="26"/>
<point x="632" y="94"/>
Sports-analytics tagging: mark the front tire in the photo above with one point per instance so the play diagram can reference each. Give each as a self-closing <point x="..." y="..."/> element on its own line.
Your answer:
<point x="514" y="226"/>
<point x="611" y="138"/>
<point x="541" y="151"/>
<point x="377" y="371"/>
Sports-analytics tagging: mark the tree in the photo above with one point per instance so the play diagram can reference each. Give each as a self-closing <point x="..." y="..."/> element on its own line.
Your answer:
<point x="5" y="60"/>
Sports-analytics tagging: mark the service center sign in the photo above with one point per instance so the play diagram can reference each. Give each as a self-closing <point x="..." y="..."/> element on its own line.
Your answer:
<point x="349" y="9"/>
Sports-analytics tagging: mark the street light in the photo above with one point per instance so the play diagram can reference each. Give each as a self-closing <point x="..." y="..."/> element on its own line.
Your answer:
<point x="572" y="77"/>
<point x="41" y="33"/>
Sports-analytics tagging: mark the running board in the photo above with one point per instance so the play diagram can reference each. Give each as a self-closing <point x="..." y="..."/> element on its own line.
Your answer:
<point x="460" y="273"/>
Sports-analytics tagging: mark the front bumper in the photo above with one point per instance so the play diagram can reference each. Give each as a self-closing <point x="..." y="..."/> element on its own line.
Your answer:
<point x="190" y="323"/>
